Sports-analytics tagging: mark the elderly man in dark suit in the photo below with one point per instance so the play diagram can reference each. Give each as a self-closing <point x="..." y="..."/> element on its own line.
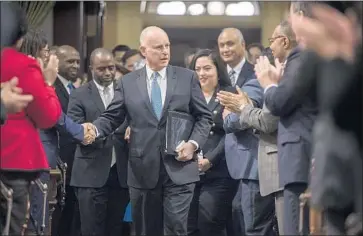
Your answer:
<point x="161" y="185"/>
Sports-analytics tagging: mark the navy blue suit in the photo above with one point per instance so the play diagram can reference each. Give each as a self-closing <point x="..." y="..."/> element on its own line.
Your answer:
<point x="297" y="108"/>
<point x="49" y="138"/>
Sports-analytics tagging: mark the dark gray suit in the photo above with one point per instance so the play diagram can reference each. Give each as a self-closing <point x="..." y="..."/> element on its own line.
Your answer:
<point x="161" y="187"/>
<point x="297" y="111"/>
<point x="100" y="188"/>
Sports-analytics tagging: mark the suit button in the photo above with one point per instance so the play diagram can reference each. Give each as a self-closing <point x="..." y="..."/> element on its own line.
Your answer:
<point x="211" y="133"/>
<point x="215" y="112"/>
<point x="214" y="124"/>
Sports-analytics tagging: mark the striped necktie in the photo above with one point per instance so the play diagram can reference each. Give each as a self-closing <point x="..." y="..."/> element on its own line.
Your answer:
<point x="233" y="77"/>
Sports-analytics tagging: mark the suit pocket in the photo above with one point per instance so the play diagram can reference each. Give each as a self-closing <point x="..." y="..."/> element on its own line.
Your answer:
<point x="288" y="138"/>
<point x="271" y="149"/>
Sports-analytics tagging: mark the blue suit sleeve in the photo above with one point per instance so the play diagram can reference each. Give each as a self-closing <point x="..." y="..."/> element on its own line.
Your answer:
<point x="67" y="126"/>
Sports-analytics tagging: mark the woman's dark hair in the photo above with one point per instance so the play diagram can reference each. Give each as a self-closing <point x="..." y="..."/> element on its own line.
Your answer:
<point x="122" y="69"/>
<point x="128" y="54"/>
<point x="120" y="48"/>
<point x="34" y="41"/>
<point x="14" y="24"/>
<point x="268" y="53"/>
<point x="223" y="79"/>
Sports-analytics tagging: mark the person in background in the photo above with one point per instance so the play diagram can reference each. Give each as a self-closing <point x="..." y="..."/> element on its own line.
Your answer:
<point x="35" y="44"/>
<point x="131" y="58"/>
<point x="188" y="56"/>
<point x="254" y="51"/>
<point x="22" y="155"/>
<point x="120" y="71"/>
<point x="118" y="52"/>
<point x="268" y="53"/>
<point x="212" y="200"/>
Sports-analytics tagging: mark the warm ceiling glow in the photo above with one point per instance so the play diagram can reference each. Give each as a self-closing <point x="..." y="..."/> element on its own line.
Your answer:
<point x="215" y="8"/>
<point x="171" y="8"/>
<point x="196" y="9"/>
<point x="240" y="9"/>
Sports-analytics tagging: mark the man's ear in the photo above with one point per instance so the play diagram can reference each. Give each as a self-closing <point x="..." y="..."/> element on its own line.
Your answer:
<point x="142" y="51"/>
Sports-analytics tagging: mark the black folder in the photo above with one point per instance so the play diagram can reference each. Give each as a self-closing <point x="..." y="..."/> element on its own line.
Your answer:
<point x="179" y="127"/>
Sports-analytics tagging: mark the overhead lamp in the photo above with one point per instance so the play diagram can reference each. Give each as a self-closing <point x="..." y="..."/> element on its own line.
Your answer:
<point x="171" y="8"/>
<point x="196" y="9"/>
<point x="215" y="8"/>
<point x="240" y="9"/>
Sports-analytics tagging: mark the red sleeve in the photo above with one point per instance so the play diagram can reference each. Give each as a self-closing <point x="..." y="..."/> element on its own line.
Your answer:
<point x="45" y="109"/>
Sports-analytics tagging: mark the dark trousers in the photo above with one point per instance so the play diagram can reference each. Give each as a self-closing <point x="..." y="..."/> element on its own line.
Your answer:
<point x="162" y="210"/>
<point x="211" y="207"/>
<point x="256" y="213"/>
<point x="291" y="216"/>
<point x="36" y="206"/>
<point x="101" y="209"/>
<point x="67" y="222"/>
<point x="19" y="182"/>
<point x="235" y="222"/>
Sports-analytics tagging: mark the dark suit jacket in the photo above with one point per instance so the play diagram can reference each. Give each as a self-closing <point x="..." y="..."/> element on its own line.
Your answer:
<point x="67" y="146"/>
<point x="92" y="163"/>
<point x="147" y="139"/>
<point x="294" y="100"/>
<point x="213" y="149"/>
<point x="247" y="73"/>
<point x="3" y="113"/>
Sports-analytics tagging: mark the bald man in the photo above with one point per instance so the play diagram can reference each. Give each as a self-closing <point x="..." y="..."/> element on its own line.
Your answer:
<point x="99" y="178"/>
<point x="161" y="185"/>
<point x="66" y="222"/>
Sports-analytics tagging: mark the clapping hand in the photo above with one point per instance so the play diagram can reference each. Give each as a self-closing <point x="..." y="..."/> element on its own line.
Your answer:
<point x="51" y="70"/>
<point x="233" y="102"/>
<point x="12" y="98"/>
<point x="89" y="133"/>
<point x="266" y="73"/>
<point x="185" y="151"/>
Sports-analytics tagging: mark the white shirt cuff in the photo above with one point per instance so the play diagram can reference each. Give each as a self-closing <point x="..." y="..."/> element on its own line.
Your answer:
<point x="97" y="133"/>
<point x="270" y="86"/>
<point x="195" y="143"/>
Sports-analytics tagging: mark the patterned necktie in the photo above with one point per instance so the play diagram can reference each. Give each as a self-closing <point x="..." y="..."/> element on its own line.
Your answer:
<point x="232" y="77"/>
<point x="156" y="100"/>
<point x="70" y="86"/>
<point x="107" y="96"/>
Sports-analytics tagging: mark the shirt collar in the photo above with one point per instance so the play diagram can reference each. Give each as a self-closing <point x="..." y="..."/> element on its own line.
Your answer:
<point x="149" y="72"/>
<point x="64" y="81"/>
<point x="238" y="67"/>
<point x="102" y="88"/>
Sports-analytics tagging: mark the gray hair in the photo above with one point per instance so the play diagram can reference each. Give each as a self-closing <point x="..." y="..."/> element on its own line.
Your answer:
<point x="286" y="29"/>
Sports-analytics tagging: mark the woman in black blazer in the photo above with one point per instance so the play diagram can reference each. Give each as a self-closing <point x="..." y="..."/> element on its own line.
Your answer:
<point x="213" y="195"/>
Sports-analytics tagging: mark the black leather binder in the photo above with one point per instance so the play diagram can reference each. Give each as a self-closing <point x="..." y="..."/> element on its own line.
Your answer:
<point x="179" y="126"/>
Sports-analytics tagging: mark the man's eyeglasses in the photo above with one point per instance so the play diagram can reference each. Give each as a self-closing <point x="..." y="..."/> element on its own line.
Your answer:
<point x="271" y="40"/>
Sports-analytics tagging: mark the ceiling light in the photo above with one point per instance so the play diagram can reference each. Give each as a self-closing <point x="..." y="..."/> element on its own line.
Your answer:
<point x="196" y="9"/>
<point x="215" y="8"/>
<point x="171" y="8"/>
<point x="240" y="9"/>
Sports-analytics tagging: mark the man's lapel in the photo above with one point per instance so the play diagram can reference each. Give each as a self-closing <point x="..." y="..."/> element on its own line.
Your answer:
<point x="170" y="86"/>
<point x="96" y="97"/>
<point x="246" y="71"/>
<point x="141" y="84"/>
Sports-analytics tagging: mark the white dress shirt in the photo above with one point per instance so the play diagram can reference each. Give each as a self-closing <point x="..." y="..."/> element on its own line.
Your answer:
<point x="64" y="82"/>
<point x="104" y="100"/>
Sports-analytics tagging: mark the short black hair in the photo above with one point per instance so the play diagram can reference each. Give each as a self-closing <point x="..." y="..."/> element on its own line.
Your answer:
<point x="120" y="48"/>
<point x="122" y="69"/>
<point x="128" y="54"/>
<point x="14" y="24"/>
<point x="223" y="78"/>
<point x="34" y="41"/>
<point x="255" y="45"/>
<point x="188" y="53"/>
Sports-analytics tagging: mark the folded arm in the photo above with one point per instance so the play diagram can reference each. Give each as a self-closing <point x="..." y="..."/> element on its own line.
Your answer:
<point x="259" y="119"/>
<point x="45" y="108"/>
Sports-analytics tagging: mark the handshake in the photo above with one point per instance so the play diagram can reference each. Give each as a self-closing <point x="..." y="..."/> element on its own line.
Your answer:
<point x="89" y="133"/>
